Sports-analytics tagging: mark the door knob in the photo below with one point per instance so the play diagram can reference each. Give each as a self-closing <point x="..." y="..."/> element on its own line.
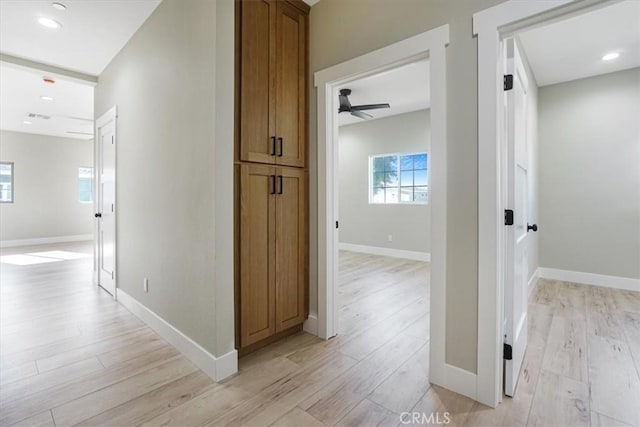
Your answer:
<point x="533" y="227"/>
<point x="98" y="215"/>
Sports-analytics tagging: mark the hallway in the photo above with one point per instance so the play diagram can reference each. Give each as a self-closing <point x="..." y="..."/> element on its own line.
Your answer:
<point x="70" y="354"/>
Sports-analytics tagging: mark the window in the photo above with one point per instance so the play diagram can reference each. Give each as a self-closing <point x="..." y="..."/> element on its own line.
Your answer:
<point x="85" y="185"/>
<point x="398" y="178"/>
<point x="6" y="182"/>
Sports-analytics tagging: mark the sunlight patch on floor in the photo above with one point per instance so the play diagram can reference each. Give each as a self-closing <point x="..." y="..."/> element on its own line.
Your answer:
<point x="42" y="257"/>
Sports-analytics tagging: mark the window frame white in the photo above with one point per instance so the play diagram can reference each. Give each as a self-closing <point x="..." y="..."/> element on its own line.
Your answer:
<point x="398" y="155"/>
<point x="93" y="171"/>
<point x="13" y="186"/>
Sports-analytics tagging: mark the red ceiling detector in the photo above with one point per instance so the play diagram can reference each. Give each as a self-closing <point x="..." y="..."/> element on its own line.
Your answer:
<point x="48" y="80"/>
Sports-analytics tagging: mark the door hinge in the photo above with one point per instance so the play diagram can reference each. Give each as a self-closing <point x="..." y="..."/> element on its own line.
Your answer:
<point x="508" y="81"/>
<point x="508" y="217"/>
<point x="112" y="276"/>
<point x="507" y="352"/>
<point x="337" y="224"/>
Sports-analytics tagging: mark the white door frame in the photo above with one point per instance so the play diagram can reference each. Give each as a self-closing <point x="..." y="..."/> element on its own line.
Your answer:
<point x="430" y="44"/>
<point x="110" y="115"/>
<point x="492" y="26"/>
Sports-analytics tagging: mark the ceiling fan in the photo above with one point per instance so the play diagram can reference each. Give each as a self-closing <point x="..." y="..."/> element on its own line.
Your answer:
<point x="356" y="110"/>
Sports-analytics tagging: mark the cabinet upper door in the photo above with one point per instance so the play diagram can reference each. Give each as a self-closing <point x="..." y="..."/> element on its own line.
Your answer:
<point x="291" y="91"/>
<point x="257" y="265"/>
<point x="290" y="248"/>
<point x="257" y="101"/>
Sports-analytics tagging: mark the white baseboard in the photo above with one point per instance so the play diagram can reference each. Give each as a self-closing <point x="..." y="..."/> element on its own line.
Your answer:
<point x="311" y="324"/>
<point x="217" y="368"/>
<point x="590" y="278"/>
<point x="395" y="253"/>
<point x="45" y="240"/>
<point x="532" y="282"/>
<point x="458" y="380"/>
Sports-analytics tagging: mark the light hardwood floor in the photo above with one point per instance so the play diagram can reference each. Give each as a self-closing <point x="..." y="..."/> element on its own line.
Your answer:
<point x="72" y="356"/>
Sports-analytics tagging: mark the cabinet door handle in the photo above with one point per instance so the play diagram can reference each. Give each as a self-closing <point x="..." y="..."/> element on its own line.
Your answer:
<point x="273" y="145"/>
<point x="281" y="189"/>
<point x="281" y="141"/>
<point x="273" y="184"/>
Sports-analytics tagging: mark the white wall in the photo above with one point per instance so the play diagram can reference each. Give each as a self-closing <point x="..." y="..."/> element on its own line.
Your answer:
<point x="173" y="84"/>
<point x="45" y="187"/>
<point x="367" y="224"/>
<point x="590" y="175"/>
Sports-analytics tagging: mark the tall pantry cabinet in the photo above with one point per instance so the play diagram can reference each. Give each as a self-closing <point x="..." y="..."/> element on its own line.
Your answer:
<point x="271" y="197"/>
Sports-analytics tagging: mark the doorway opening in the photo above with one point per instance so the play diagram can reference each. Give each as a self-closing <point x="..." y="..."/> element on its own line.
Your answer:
<point x="556" y="134"/>
<point x="324" y="320"/>
<point x="46" y="168"/>
<point x="384" y="213"/>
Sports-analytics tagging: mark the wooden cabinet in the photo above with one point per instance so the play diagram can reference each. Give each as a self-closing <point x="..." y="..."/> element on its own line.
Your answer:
<point x="273" y="246"/>
<point x="272" y="74"/>
<point x="271" y="197"/>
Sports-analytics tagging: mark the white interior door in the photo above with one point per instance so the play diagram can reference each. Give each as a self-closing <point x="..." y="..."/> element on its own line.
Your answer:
<point x="515" y="291"/>
<point x="106" y="201"/>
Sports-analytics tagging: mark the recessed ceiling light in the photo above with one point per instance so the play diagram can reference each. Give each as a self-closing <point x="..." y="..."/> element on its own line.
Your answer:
<point x="610" y="56"/>
<point x="59" y="6"/>
<point x="48" y="22"/>
<point x="27" y="122"/>
<point x="46" y="98"/>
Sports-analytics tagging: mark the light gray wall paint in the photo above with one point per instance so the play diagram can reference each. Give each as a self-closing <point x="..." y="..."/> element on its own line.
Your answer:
<point x="367" y="224"/>
<point x="45" y="187"/>
<point x="362" y="20"/>
<point x="590" y="175"/>
<point x="164" y="82"/>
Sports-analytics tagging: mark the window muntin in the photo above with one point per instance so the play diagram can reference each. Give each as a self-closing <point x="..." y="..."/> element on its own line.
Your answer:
<point x="399" y="178"/>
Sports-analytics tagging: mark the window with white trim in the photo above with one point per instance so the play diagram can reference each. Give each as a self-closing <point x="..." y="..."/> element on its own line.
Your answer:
<point x="6" y="182"/>
<point x="399" y="178"/>
<point x="85" y="185"/>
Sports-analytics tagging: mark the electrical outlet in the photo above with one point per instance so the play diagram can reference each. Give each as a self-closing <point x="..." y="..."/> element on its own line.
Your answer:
<point x="145" y="284"/>
<point x="390" y="237"/>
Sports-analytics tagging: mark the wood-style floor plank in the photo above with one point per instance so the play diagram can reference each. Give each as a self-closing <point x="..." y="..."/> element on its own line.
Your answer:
<point x="560" y="401"/>
<point x="615" y="386"/>
<point x="72" y="355"/>
<point x="566" y="350"/>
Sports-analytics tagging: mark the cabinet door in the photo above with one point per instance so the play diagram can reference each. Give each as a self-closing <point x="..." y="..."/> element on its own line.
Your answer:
<point x="257" y="258"/>
<point x="291" y="110"/>
<point x="257" y="101"/>
<point x="290" y="248"/>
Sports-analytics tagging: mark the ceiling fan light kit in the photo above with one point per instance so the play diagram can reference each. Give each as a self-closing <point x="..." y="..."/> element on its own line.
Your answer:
<point x="356" y="110"/>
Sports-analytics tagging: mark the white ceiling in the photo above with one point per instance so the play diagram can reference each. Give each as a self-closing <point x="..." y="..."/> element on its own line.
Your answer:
<point x="311" y="2"/>
<point x="573" y="48"/>
<point x="405" y="89"/>
<point x="92" y="33"/>
<point x="71" y="109"/>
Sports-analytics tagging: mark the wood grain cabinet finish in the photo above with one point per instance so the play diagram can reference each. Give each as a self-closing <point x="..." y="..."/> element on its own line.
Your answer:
<point x="273" y="248"/>
<point x="271" y="194"/>
<point x="272" y="75"/>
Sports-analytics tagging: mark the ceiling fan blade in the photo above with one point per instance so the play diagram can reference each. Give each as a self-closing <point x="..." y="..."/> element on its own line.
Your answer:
<point x="369" y="107"/>
<point x="362" y="115"/>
